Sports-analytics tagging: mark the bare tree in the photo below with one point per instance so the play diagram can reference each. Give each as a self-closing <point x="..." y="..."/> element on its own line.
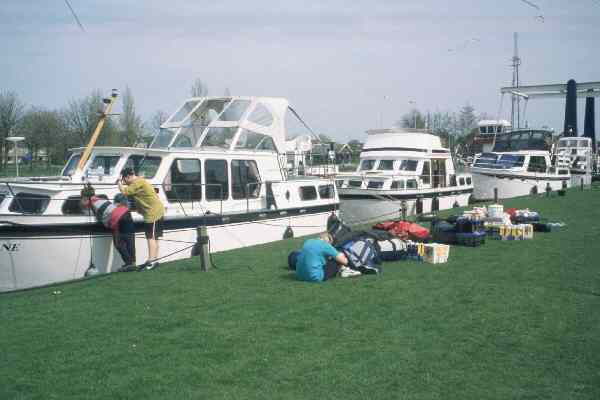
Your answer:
<point x="131" y="125"/>
<point x="199" y="89"/>
<point x="11" y="111"/>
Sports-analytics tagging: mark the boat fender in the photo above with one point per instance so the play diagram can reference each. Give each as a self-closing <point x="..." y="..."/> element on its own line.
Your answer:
<point x="289" y="233"/>
<point x="91" y="271"/>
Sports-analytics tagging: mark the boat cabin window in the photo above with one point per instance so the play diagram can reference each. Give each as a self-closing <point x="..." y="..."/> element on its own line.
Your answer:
<point x="537" y="164"/>
<point x="355" y="184"/>
<point x="145" y="166"/>
<point x="3" y="196"/>
<point x="426" y="174"/>
<point x="408" y="165"/>
<point x="72" y="206"/>
<point x="235" y="110"/>
<point x="188" y="136"/>
<point x="375" y="185"/>
<point x="386" y="165"/>
<point x="367" y="165"/>
<point x="208" y="111"/>
<point x="261" y="115"/>
<point x="411" y="184"/>
<point x="103" y="165"/>
<point x="510" y="161"/>
<point x="397" y="185"/>
<point x="184" y="111"/>
<point x="468" y="180"/>
<point x="308" y="193"/>
<point x="184" y="181"/>
<point x="452" y="180"/>
<point x="245" y="179"/>
<point x="249" y="140"/>
<point x="219" y="137"/>
<point x="217" y="180"/>
<point x="29" y="203"/>
<point x="461" y="181"/>
<point x="339" y="183"/>
<point x="486" y="160"/>
<point x="326" y="191"/>
<point x="163" y="139"/>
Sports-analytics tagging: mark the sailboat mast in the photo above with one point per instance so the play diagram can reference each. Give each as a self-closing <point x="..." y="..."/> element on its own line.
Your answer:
<point x="516" y="61"/>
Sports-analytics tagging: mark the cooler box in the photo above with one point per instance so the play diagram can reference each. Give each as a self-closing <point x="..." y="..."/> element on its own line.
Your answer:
<point x="436" y="253"/>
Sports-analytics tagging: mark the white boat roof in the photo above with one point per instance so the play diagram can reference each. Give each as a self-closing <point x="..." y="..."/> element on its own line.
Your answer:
<point x="488" y="122"/>
<point x="263" y="115"/>
<point x="403" y="139"/>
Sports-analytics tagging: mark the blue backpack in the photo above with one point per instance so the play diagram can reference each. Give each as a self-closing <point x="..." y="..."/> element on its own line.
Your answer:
<point x="363" y="255"/>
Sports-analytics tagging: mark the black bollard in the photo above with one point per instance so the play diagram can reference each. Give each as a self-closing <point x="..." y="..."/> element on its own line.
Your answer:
<point x="403" y="210"/>
<point x="582" y="184"/>
<point x="548" y="189"/>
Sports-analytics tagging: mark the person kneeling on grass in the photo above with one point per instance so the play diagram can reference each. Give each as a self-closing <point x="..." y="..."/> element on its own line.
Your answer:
<point x="117" y="218"/>
<point x="319" y="261"/>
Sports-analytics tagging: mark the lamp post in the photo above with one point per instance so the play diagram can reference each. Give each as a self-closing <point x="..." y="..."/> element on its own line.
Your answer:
<point x="15" y="140"/>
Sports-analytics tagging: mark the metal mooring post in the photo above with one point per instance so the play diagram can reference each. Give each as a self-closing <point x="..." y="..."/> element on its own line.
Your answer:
<point x="581" y="184"/>
<point x="403" y="210"/>
<point x="202" y="242"/>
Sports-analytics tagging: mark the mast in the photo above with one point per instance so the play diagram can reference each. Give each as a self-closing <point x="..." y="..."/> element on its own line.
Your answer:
<point x="516" y="61"/>
<point x="109" y="102"/>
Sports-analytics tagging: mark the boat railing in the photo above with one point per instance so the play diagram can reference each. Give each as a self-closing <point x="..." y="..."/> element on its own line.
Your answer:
<point x="189" y="196"/>
<point x="401" y="182"/>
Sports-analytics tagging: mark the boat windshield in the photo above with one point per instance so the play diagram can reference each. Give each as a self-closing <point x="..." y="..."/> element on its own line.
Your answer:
<point x="523" y="140"/>
<point x="505" y="161"/>
<point x="386" y="165"/>
<point x="367" y="165"/>
<point x="408" y="165"/>
<point x="163" y="139"/>
<point x="71" y="165"/>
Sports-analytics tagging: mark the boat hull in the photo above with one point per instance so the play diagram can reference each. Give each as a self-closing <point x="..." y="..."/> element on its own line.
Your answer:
<point x="30" y="260"/>
<point x="364" y="206"/>
<point x="510" y="186"/>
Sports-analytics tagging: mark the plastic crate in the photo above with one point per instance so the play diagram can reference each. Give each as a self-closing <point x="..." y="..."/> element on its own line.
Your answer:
<point x="436" y="253"/>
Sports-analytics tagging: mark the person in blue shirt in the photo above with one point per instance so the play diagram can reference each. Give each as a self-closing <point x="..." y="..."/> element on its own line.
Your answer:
<point x="319" y="261"/>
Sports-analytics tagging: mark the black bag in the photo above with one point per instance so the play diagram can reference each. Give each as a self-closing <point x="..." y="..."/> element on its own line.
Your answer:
<point x="443" y="232"/>
<point x="338" y="230"/>
<point x="363" y="255"/>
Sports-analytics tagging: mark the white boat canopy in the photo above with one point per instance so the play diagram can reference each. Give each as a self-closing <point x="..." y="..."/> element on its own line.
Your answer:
<point x="228" y="123"/>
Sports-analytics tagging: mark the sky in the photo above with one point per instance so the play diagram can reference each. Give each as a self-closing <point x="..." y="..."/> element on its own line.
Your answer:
<point x="345" y="66"/>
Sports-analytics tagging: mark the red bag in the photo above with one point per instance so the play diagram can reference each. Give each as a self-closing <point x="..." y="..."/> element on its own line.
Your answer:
<point x="404" y="229"/>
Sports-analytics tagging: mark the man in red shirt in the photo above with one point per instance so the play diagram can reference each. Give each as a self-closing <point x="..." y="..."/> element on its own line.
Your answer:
<point x="117" y="218"/>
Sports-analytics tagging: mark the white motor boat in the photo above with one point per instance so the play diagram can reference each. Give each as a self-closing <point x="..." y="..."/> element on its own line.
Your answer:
<point x="520" y="164"/>
<point x="401" y="169"/>
<point x="216" y="163"/>
<point x="581" y="158"/>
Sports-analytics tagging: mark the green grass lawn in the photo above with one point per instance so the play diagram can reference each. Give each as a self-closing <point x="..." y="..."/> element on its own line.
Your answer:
<point x="509" y="320"/>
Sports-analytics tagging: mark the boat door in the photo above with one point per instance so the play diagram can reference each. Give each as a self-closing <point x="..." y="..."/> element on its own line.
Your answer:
<point x="438" y="172"/>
